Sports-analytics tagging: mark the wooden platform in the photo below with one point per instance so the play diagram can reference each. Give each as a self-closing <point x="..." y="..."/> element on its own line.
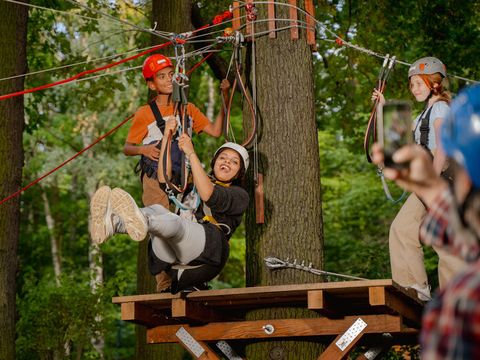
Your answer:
<point x="213" y="315"/>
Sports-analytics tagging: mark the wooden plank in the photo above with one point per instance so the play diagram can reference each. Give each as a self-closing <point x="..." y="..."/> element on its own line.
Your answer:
<point x="347" y="298"/>
<point x="142" y="315"/>
<point x="194" y="312"/>
<point x="282" y="328"/>
<point x="236" y="16"/>
<point x="381" y="296"/>
<point x="310" y="20"/>
<point x="336" y="287"/>
<point x="271" y="20"/>
<point x="335" y="351"/>
<point x="259" y="204"/>
<point x="323" y="303"/>
<point x="293" y="19"/>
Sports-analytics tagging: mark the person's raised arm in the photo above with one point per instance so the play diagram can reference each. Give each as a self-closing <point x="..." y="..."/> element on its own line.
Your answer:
<point x="200" y="178"/>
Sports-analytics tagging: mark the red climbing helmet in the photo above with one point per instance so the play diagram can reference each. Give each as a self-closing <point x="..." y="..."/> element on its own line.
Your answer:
<point x="154" y="64"/>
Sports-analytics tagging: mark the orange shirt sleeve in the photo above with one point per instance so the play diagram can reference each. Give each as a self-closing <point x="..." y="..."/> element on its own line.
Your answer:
<point x="142" y="118"/>
<point x="200" y="121"/>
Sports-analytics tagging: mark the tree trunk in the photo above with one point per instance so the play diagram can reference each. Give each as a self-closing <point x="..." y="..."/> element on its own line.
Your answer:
<point x="171" y="16"/>
<point x="13" y="27"/>
<point x="289" y="161"/>
<point x="56" y="261"/>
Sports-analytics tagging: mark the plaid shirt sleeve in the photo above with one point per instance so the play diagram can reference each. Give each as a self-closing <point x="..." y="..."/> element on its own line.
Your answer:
<point x="437" y="229"/>
<point x="451" y="322"/>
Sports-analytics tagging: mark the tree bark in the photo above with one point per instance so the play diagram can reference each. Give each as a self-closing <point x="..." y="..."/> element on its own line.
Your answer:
<point x="289" y="160"/>
<point x="13" y="27"/>
<point x="172" y="16"/>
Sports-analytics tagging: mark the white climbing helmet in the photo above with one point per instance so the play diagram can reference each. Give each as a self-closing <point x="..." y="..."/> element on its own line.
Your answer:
<point x="239" y="149"/>
<point x="427" y="66"/>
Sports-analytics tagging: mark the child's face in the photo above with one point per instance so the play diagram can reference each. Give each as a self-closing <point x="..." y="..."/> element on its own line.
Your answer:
<point x="227" y="165"/>
<point x="162" y="81"/>
<point x="419" y="89"/>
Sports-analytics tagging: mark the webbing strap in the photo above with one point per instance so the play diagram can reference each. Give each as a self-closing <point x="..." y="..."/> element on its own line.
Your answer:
<point x="425" y="128"/>
<point x="388" y="194"/>
<point x="158" y="116"/>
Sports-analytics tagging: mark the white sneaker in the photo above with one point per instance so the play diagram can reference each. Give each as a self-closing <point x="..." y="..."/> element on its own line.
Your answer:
<point x="101" y="227"/>
<point x="125" y="207"/>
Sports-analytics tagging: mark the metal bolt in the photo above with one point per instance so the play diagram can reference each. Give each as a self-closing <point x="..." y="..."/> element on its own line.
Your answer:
<point x="269" y="329"/>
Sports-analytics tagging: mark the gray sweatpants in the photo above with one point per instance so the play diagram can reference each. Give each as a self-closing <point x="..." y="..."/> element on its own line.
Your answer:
<point x="174" y="240"/>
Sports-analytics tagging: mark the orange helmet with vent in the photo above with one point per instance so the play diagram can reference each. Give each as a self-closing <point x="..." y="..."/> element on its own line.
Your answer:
<point x="154" y="64"/>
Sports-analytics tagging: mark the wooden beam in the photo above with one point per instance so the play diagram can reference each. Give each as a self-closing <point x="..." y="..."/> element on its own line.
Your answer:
<point x="345" y="342"/>
<point x="293" y="19"/>
<point x="310" y="20"/>
<point x="381" y="296"/>
<point x="194" y="312"/>
<point x="323" y="303"/>
<point x="236" y="16"/>
<point x="271" y="20"/>
<point x="282" y="328"/>
<point x="142" y="315"/>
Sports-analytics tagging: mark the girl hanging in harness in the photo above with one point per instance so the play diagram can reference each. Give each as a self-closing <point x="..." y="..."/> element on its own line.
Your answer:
<point x="183" y="253"/>
<point x="426" y="77"/>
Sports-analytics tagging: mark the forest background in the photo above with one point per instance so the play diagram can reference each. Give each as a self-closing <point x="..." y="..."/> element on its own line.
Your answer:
<point x="63" y="299"/>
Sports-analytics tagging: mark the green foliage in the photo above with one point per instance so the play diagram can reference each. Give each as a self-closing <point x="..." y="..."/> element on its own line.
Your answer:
<point x="63" y="120"/>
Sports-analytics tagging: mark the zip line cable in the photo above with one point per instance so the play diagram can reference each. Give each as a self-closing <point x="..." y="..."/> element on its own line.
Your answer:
<point x="342" y="41"/>
<point x="161" y="34"/>
<point x="17" y="193"/>
<point x="66" y="161"/>
<point x="58" y="11"/>
<point x="75" y="64"/>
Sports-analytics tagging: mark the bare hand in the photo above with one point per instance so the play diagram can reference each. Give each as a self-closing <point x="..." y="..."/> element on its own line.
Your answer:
<point x="378" y="95"/>
<point x="185" y="144"/>
<point x="151" y="151"/>
<point x="224" y="85"/>
<point x="170" y="124"/>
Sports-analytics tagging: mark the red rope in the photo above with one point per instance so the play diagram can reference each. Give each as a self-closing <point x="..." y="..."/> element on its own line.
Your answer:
<point x="66" y="161"/>
<point x="83" y="73"/>
<point x="7" y="96"/>
<point x="194" y="67"/>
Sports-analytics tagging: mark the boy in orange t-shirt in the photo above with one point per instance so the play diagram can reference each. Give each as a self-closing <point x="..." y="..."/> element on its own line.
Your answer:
<point x="145" y="133"/>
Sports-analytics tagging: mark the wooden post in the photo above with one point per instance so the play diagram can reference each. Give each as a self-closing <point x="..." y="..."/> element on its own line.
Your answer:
<point x="236" y="16"/>
<point x="271" y="20"/>
<point x="249" y="28"/>
<point x="293" y="19"/>
<point x="310" y="20"/>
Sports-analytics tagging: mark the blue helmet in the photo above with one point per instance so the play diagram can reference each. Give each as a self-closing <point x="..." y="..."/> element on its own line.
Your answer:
<point x="460" y="134"/>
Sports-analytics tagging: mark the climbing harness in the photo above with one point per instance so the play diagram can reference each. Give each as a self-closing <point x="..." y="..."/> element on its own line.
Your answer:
<point x="274" y="263"/>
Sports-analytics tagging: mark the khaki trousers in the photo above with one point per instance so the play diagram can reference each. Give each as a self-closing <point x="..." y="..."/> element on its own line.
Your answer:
<point x="152" y="193"/>
<point x="406" y="253"/>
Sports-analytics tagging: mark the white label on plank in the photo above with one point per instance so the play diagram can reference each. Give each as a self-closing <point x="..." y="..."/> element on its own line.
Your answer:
<point x="350" y="335"/>
<point x="189" y="342"/>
